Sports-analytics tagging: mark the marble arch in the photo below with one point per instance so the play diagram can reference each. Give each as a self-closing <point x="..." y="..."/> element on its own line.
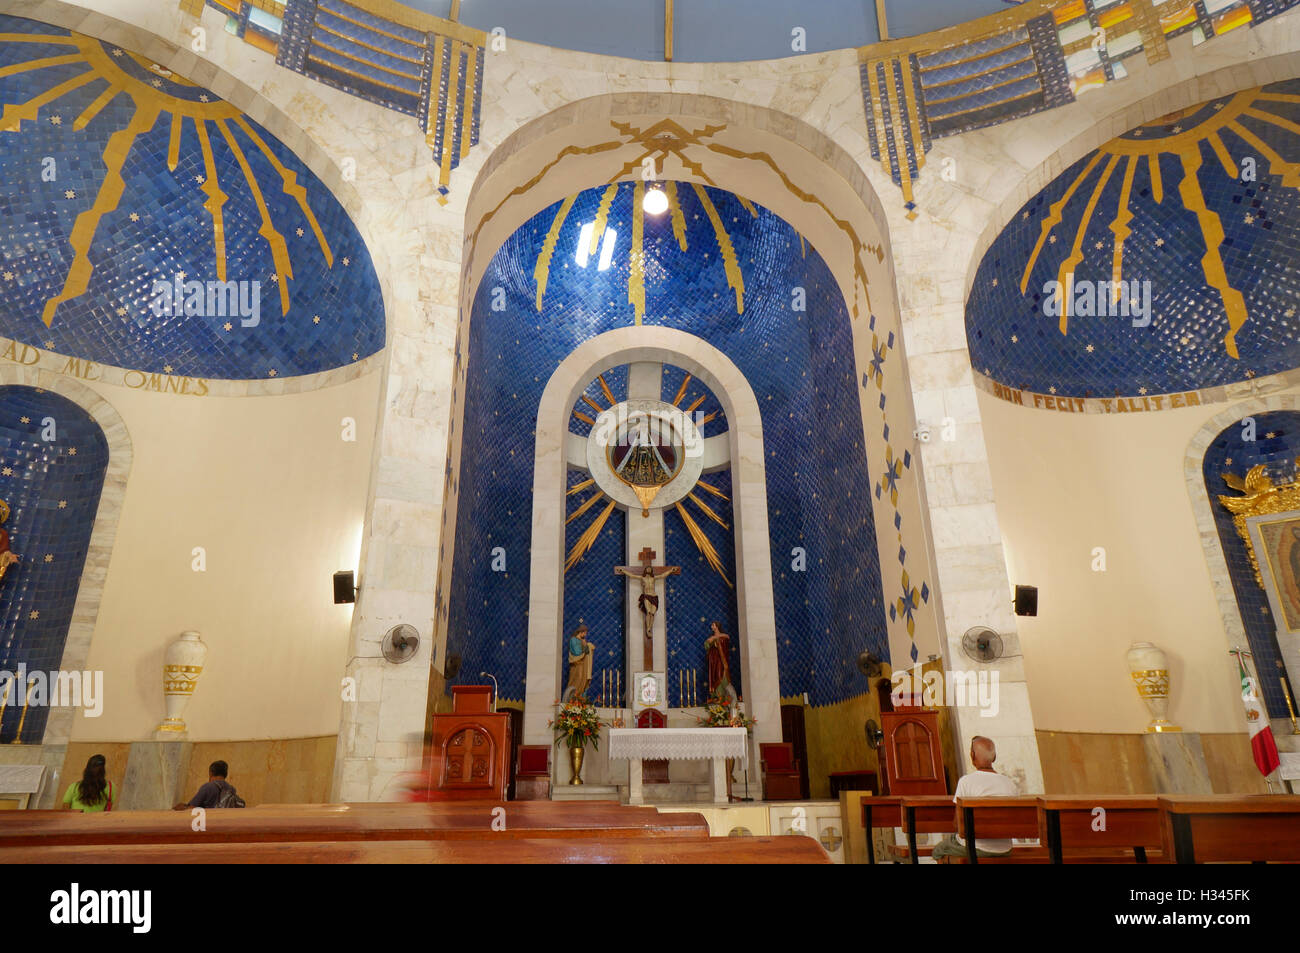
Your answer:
<point x="90" y="588"/>
<point x="753" y="558"/>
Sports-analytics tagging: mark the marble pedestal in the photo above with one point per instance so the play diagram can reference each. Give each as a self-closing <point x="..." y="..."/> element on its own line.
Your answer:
<point x="1177" y="762"/>
<point x="156" y="773"/>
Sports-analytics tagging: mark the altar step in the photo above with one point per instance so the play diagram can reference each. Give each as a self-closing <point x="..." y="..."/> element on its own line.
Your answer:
<point x="589" y="792"/>
<point x="684" y="792"/>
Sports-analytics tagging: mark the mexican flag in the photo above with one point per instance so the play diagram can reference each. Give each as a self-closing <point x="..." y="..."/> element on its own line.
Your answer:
<point x="1262" y="745"/>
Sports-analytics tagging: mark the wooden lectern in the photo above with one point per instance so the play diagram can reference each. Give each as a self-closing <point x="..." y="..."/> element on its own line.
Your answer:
<point x="470" y="748"/>
<point x="913" y="757"/>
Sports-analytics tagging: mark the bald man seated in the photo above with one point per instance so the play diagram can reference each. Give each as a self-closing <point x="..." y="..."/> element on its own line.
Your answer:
<point x="982" y="782"/>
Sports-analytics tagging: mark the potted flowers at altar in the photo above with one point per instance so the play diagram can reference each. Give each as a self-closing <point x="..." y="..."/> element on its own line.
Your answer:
<point x="577" y="725"/>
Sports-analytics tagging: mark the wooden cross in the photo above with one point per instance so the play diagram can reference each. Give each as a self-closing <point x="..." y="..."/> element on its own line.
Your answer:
<point x="648" y="601"/>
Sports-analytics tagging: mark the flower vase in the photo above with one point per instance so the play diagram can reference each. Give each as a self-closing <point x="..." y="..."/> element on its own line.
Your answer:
<point x="575" y="765"/>
<point x="1149" y="667"/>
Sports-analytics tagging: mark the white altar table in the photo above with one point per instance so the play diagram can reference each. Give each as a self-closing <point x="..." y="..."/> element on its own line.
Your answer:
<point x="678" y="744"/>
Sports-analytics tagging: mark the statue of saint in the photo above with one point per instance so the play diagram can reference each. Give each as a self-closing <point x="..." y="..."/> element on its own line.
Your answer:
<point x="7" y="557"/>
<point x="717" y="649"/>
<point x="580" y="656"/>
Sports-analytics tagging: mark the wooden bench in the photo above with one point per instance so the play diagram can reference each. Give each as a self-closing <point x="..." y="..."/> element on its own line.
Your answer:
<point x="1131" y="823"/>
<point x="925" y="814"/>
<point x="878" y="812"/>
<point x="1258" y="828"/>
<point x="590" y="850"/>
<point x="998" y="817"/>
<point x="353" y="822"/>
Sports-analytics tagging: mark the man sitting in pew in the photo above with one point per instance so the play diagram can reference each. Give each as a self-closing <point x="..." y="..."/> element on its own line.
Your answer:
<point x="982" y="782"/>
<point x="215" y="792"/>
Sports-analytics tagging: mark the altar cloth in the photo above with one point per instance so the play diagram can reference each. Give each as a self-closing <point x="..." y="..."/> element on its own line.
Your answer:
<point x="678" y="744"/>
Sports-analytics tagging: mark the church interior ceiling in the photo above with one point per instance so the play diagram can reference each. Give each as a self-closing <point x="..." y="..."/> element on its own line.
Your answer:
<point x="52" y="488"/>
<point x="963" y="65"/>
<point x="723" y="268"/>
<point x="1195" y="213"/>
<point x="131" y="192"/>
<point x="1274" y="443"/>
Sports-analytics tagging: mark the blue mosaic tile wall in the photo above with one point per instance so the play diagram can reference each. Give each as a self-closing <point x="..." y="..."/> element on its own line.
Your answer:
<point x="800" y="366"/>
<point x="52" y="488"/>
<point x="1277" y="445"/>
<point x="1189" y="343"/>
<point x="56" y="171"/>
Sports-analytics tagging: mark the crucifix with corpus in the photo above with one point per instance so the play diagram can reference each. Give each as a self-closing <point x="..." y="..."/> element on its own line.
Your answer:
<point x="648" y="575"/>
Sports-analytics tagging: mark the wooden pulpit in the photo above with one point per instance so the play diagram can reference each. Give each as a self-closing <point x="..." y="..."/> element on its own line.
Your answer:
<point x="470" y="748"/>
<point x="913" y="756"/>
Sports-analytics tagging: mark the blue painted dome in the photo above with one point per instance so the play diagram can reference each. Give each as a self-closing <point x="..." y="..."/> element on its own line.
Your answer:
<point x="1198" y="215"/>
<point x="149" y="224"/>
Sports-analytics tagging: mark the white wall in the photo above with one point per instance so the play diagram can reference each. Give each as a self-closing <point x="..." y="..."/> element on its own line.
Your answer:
<point x="1067" y="483"/>
<point x="274" y="494"/>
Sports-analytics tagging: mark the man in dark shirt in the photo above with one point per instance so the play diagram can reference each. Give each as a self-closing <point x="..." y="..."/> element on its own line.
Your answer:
<point x="210" y="792"/>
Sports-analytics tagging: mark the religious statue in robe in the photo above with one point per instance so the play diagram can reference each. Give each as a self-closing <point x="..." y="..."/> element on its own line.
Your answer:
<point x="580" y="656"/>
<point x="717" y="649"/>
<point x="648" y="601"/>
<point x="7" y="556"/>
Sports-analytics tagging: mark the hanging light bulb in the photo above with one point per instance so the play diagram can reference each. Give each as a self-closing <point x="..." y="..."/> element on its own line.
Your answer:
<point x="655" y="201"/>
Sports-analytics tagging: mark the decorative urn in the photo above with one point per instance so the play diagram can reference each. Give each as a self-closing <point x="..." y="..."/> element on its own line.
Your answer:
<point x="1150" y="670"/>
<point x="182" y="665"/>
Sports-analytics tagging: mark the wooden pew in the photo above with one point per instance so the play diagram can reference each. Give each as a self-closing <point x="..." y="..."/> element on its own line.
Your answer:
<point x="1258" y="828"/>
<point x="590" y="850"/>
<point x="995" y="817"/>
<point x="880" y="812"/>
<point x="925" y="814"/>
<point x="351" y="822"/>
<point x="1132" y="822"/>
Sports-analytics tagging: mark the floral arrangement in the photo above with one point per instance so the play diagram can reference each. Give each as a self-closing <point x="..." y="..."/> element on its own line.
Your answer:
<point x="577" y="724"/>
<point x="720" y="713"/>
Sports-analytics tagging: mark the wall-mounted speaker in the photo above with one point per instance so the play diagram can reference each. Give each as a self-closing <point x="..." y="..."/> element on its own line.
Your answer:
<point x="345" y="589"/>
<point x="1026" y="600"/>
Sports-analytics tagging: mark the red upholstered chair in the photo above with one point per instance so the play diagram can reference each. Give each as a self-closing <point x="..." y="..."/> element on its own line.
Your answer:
<point x="653" y="772"/>
<point x="533" y="773"/>
<point x="780" y="772"/>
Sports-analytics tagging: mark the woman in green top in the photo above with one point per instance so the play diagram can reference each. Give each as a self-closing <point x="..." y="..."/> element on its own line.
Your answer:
<point x="94" y="792"/>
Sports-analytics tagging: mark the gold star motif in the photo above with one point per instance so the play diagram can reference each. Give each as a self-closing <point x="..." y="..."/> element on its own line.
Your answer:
<point x="181" y="276"/>
<point x="7" y="471"/>
<point x="121" y="312"/>
<point x="1228" y="461"/>
<point x="167" y="368"/>
<point x="1160" y="242"/>
<point x="1271" y="435"/>
<point x="63" y="504"/>
<point x="1098" y="246"/>
<point x="1250" y="219"/>
<point x="72" y="451"/>
<point x="299" y="231"/>
<point x="25" y="420"/>
<point x="271" y="372"/>
<point x="135" y="216"/>
<point x="1051" y="239"/>
<point x="34" y="614"/>
<point x="1250" y="373"/>
<point x="346" y="261"/>
<point x="1015" y="339"/>
<point x="117" y="52"/>
<point x="1050" y="390"/>
<point x="49" y="557"/>
<point x="203" y="97"/>
<point x="354" y="357"/>
<point x="56" y="120"/>
<point x="1290" y="313"/>
<point x="9" y="276"/>
<point x="227" y="326"/>
<point x="995" y="282"/>
<point x="1090" y="349"/>
<point x="316" y="319"/>
<point x="198" y="180"/>
<point x="275" y="280"/>
<point x="1142" y="390"/>
<point x="49" y="345"/>
<point x="69" y="193"/>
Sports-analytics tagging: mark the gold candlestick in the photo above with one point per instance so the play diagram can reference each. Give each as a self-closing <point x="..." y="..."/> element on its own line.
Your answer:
<point x="681" y="701"/>
<point x="1295" y="729"/>
<point x="695" y="692"/>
